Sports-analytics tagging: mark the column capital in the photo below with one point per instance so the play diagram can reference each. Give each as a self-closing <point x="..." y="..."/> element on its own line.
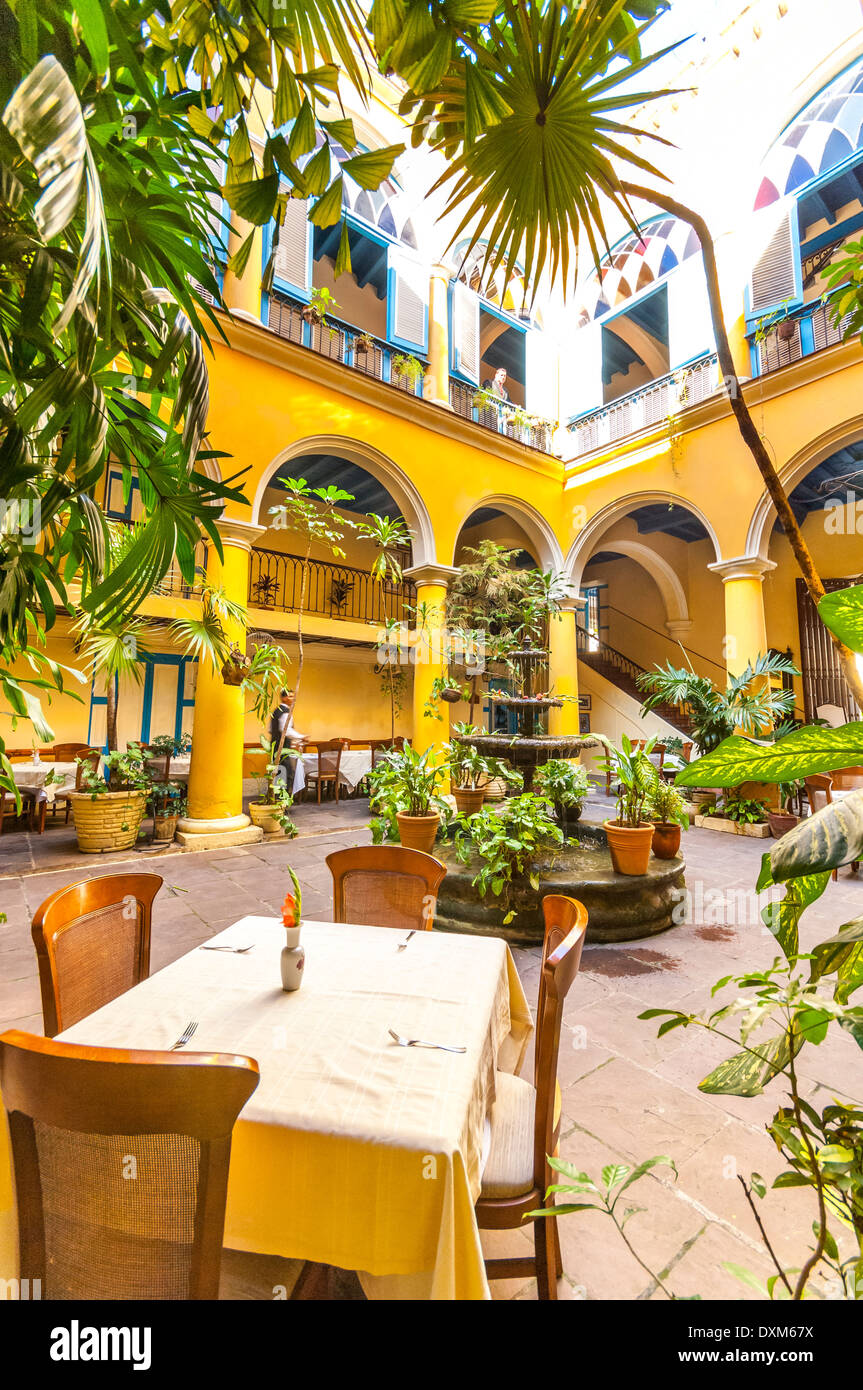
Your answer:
<point x="241" y="534"/>
<point x="442" y="270"/>
<point x="743" y="567"/>
<point x="431" y="574"/>
<point x="678" y="627"/>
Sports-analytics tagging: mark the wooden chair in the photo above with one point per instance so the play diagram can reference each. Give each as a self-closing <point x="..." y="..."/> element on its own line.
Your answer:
<point x="329" y="773"/>
<point x="525" y="1118"/>
<point x="819" y="793"/>
<point x="68" y="752"/>
<point x="90" y="1226"/>
<point x="92" y="942"/>
<point x="383" y="745"/>
<point x="385" y="886"/>
<point x="9" y="811"/>
<point x="85" y="757"/>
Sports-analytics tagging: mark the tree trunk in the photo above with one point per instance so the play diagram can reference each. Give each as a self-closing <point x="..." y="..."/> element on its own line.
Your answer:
<point x="746" y="425"/>
<point x="111" y="715"/>
<point x="303" y="591"/>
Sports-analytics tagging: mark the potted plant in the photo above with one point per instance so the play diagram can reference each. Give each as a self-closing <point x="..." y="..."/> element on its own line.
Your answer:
<point x="265" y="590"/>
<point x="168" y="802"/>
<point x="667" y="809"/>
<point x="108" y="815"/>
<point x="271" y="811"/>
<point x="630" y="834"/>
<point x="470" y="773"/>
<point x="509" y="844"/>
<point x="743" y="811"/>
<point x="321" y="302"/>
<point x="364" y="343"/>
<point x="404" y="797"/>
<point x="566" y="785"/>
<point x="236" y="666"/>
<point x="785" y="819"/>
<point x="409" y="368"/>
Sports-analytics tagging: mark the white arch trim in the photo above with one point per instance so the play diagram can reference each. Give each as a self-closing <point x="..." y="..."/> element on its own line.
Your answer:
<point x="588" y="537"/>
<point x="793" y="472"/>
<point x="388" y="473"/>
<point x="532" y="522"/>
<point x="663" y="575"/>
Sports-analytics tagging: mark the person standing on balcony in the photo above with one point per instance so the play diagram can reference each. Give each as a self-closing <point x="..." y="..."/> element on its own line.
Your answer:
<point x="282" y="731"/>
<point x="497" y="386"/>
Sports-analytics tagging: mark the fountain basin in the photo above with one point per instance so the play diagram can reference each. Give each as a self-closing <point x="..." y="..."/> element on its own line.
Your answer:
<point x="620" y="907"/>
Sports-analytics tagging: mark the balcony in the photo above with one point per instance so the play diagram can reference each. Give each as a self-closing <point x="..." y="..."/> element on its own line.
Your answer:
<point x="650" y="405"/>
<point x="341" y="343"/>
<point x="332" y="591"/>
<point x="802" y="333"/>
<point x="502" y="417"/>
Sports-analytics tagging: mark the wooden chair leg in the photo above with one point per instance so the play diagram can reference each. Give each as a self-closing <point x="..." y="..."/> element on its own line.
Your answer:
<point x="558" y="1257"/>
<point x="319" y="791"/>
<point x="546" y="1274"/>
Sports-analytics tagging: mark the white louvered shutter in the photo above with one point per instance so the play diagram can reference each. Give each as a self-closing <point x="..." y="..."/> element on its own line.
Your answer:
<point x="407" y="301"/>
<point x="465" y="332"/>
<point x="776" y="277"/>
<point x="690" y="331"/>
<point x="292" y="270"/>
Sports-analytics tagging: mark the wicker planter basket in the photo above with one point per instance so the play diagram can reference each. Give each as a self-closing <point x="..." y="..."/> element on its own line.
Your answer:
<point x="266" y="816"/>
<point x="110" y="820"/>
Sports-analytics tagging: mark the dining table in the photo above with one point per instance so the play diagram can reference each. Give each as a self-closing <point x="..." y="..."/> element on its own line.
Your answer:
<point x="32" y="776"/>
<point x="354" y="1151"/>
<point x="354" y="765"/>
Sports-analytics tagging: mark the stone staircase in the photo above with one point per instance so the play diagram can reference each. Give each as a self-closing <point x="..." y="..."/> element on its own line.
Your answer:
<point x="623" y="672"/>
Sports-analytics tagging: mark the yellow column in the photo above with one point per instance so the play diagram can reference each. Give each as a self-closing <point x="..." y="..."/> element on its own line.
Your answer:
<point x="243" y="292"/>
<point x="745" y="624"/>
<point x="436" y="387"/>
<point x="563" y="668"/>
<point x="215" y="815"/>
<point x="431" y="582"/>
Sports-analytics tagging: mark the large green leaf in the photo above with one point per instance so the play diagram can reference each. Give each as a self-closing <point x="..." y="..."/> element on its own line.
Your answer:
<point x="748" y="1072"/>
<point x="842" y="612"/>
<point x="802" y="753"/>
<point x="833" y="836"/>
<point x="45" y="117"/>
<point x="782" y="917"/>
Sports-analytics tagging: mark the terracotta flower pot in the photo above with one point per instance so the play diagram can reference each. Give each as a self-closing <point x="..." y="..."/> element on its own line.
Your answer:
<point x="418" y="832"/>
<point x="786" y="329"/>
<point x="266" y="817"/>
<point x="164" y="827"/>
<point x="630" y="846"/>
<point x="468" y="799"/>
<point x="666" y="839"/>
<point x="780" y="823"/>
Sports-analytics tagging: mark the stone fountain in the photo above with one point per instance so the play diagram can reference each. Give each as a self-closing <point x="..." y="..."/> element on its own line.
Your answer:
<point x="620" y="907"/>
<point x="528" y="750"/>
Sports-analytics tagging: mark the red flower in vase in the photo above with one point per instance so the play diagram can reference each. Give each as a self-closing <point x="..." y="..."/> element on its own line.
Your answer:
<point x="292" y="906"/>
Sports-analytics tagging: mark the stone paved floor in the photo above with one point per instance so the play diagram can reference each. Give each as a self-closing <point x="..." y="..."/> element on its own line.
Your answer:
<point x="626" y="1095"/>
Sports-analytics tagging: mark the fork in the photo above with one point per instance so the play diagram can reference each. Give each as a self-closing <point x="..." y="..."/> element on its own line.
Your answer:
<point x="185" y="1036"/>
<point x="237" y="950"/>
<point x="418" y="1042"/>
<point x="402" y="944"/>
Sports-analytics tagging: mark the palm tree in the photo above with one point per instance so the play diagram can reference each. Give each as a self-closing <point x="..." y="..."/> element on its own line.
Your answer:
<point x="553" y="81"/>
<point x="748" y="705"/>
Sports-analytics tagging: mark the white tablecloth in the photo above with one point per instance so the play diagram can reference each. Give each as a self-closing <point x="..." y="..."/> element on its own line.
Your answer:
<point x="353" y="1151"/>
<point x="355" y="763"/>
<point x="31" y="776"/>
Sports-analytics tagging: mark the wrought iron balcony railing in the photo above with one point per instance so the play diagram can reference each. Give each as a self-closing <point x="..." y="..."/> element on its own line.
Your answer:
<point x="662" y="399"/>
<point x="792" y="337"/>
<point x="332" y="591"/>
<point x="342" y="343"/>
<point x="501" y="416"/>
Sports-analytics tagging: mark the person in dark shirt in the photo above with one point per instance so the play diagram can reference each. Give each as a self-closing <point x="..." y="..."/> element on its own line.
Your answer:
<point x="497" y="386"/>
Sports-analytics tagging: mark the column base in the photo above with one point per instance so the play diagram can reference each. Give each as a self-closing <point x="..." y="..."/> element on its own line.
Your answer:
<point x="220" y="833"/>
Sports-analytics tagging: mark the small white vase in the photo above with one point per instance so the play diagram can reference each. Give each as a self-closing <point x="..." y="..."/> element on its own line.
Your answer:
<point x="293" y="960"/>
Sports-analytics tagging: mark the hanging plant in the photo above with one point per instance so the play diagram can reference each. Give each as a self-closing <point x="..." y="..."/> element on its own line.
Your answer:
<point x="236" y="666"/>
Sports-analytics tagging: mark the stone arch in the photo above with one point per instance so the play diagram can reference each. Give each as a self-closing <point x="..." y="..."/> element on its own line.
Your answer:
<point x="587" y="539"/>
<point x="793" y="472"/>
<point x="545" y="543"/>
<point x="662" y="573"/>
<point x="400" y="487"/>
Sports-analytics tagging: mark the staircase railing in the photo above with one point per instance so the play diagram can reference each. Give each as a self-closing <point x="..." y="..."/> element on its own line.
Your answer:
<point x="591" y="647"/>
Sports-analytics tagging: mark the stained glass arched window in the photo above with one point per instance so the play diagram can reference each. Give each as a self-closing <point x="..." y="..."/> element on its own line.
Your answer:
<point x="636" y="262"/>
<point x="826" y="133"/>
